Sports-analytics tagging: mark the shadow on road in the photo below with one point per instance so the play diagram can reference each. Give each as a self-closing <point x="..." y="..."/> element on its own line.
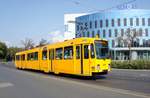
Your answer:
<point x="69" y="76"/>
<point x="12" y="66"/>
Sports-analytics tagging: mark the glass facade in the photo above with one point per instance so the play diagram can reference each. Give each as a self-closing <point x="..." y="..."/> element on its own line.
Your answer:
<point x="114" y="24"/>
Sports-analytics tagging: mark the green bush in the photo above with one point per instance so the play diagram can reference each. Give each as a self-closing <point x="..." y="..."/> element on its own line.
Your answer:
<point x="135" y="64"/>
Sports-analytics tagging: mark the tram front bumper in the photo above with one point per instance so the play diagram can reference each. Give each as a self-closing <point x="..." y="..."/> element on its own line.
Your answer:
<point x="101" y="69"/>
<point x="100" y="73"/>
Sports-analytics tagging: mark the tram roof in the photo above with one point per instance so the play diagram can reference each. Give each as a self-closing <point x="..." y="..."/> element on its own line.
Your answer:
<point x="65" y="43"/>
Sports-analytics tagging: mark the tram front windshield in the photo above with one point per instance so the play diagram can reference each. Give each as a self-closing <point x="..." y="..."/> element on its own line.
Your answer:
<point x="102" y="50"/>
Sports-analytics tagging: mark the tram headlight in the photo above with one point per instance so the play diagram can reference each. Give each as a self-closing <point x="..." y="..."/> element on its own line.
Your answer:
<point x="98" y="67"/>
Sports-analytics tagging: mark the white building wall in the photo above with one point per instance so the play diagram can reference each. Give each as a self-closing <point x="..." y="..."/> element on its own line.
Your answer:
<point x="69" y="23"/>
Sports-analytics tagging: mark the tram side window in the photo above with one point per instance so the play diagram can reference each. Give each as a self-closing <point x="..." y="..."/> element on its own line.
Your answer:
<point x="31" y="56"/>
<point x="58" y="53"/>
<point x="28" y="56"/>
<point x="17" y="57"/>
<point x="68" y="52"/>
<point x="86" y="52"/>
<point x="23" y="57"/>
<point x="77" y="52"/>
<point x="44" y="55"/>
<point x="92" y="51"/>
<point x="35" y="55"/>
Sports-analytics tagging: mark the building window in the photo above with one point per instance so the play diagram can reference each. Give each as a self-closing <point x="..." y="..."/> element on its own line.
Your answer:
<point x="116" y="32"/>
<point x="137" y="21"/>
<point x="90" y="24"/>
<point x="109" y="32"/>
<point x="101" y="23"/>
<point x="81" y="28"/>
<point x="104" y="33"/>
<point x="140" y="32"/>
<point x="98" y="33"/>
<point x="125" y="22"/>
<point x="112" y="23"/>
<point x="143" y="21"/>
<point x="88" y="34"/>
<point x="83" y="34"/>
<point x="122" y="32"/>
<point x="119" y="22"/>
<point x="148" y="21"/>
<point x="136" y="43"/>
<point x="144" y="42"/>
<point x="128" y="30"/>
<point x="131" y="21"/>
<point x="85" y="26"/>
<point x="113" y="43"/>
<point x="93" y="34"/>
<point x="149" y="43"/>
<point x="77" y="28"/>
<point x="107" y="23"/>
<point x="95" y="24"/>
<point x="134" y="31"/>
<point x="146" y="32"/>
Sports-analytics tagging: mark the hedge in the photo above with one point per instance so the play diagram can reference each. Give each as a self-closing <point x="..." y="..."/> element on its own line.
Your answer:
<point x="136" y="64"/>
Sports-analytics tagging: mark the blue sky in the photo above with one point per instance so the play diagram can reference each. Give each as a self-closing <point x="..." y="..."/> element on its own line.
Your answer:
<point x="36" y="19"/>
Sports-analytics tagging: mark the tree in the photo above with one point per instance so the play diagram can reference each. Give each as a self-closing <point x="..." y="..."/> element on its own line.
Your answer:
<point x="27" y="43"/>
<point x="3" y="50"/>
<point x="43" y="42"/>
<point x="130" y="38"/>
<point x="11" y="53"/>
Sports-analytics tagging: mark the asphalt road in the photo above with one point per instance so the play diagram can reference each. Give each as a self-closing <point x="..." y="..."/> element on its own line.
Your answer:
<point x="30" y="84"/>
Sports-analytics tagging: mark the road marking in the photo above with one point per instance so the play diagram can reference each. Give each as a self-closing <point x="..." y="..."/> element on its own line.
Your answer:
<point x="5" y="84"/>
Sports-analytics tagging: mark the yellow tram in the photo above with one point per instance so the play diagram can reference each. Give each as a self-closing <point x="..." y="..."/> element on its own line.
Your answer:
<point x="79" y="56"/>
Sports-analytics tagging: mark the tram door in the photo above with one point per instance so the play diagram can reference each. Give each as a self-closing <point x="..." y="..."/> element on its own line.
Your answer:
<point x="44" y="61"/>
<point x="51" y="58"/>
<point x="86" y="59"/>
<point x="78" y="60"/>
<point x="82" y="59"/>
<point x="23" y="62"/>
